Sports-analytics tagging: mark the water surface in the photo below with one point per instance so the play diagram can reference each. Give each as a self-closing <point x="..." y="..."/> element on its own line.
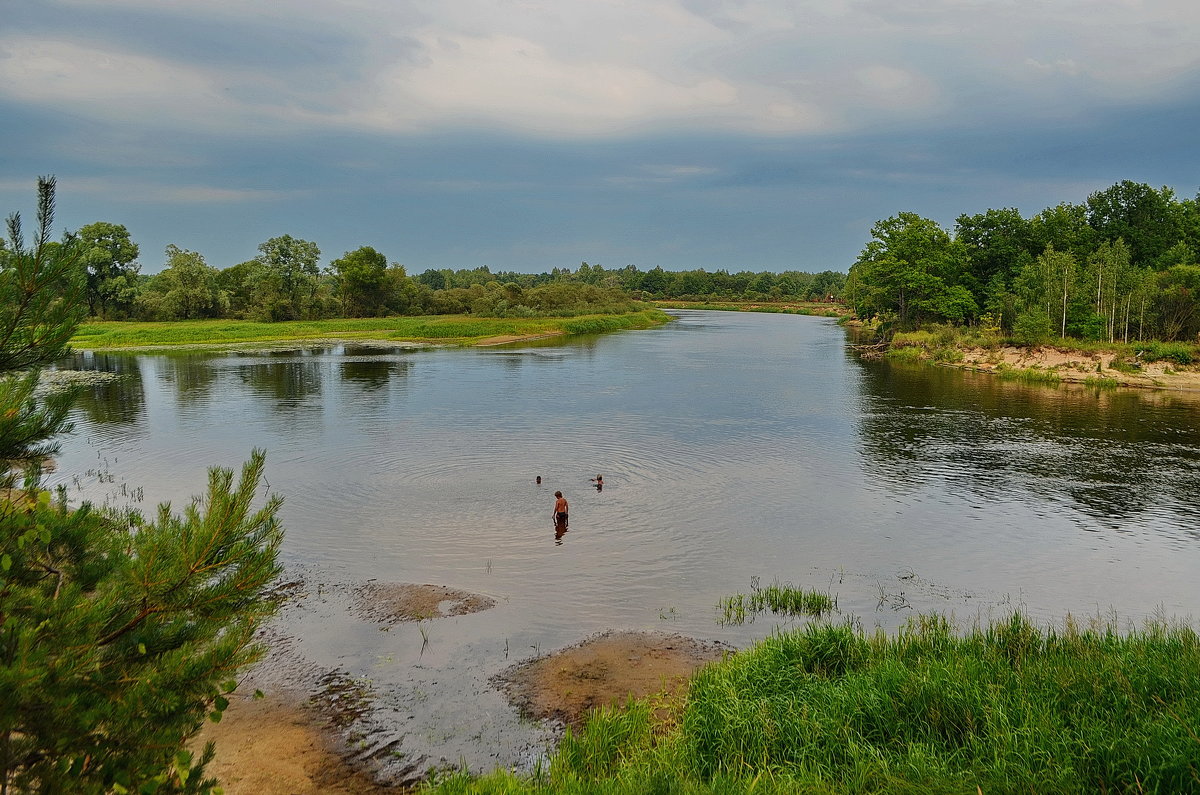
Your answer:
<point x="734" y="448"/>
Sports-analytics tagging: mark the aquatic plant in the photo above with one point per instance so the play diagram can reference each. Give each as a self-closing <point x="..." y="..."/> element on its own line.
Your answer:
<point x="779" y="599"/>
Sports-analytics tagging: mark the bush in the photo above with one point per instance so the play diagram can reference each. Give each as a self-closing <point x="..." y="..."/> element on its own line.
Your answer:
<point x="1032" y="328"/>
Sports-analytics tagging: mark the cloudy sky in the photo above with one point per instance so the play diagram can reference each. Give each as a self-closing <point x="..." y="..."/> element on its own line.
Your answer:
<point x="522" y="134"/>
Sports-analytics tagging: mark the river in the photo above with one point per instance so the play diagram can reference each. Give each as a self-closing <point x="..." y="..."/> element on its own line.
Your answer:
<point x="735" y="449"/>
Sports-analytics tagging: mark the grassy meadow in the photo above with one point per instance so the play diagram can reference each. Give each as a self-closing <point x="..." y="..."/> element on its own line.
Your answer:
<point x="442" y="329"/>
<point x="828" y="708"/>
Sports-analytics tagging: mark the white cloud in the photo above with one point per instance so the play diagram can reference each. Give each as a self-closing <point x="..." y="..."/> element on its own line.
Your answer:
<point x="601" y="67"/>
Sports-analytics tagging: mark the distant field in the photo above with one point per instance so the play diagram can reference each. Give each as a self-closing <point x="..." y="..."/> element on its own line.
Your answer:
<point x="446" y="329"/>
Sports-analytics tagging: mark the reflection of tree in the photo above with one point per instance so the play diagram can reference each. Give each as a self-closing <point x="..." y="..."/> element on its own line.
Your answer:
<point x="116" y="401"/>
<point x="289" y="383"/>
<point x="1110" y="454"/>
<point x="192" y="374"/>
<point x="372" y="374"/>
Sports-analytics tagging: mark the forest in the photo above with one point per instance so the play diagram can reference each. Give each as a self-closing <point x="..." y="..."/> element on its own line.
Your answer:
<point x="1119" y="267"/>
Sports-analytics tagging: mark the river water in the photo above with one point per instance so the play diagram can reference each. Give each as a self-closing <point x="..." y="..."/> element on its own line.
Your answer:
<point x="735" y="449"/>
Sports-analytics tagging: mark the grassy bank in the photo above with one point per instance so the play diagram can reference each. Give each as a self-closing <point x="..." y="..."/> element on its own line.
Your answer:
<point x="782" y="307"/>
<point x="444" y="329"/>
<point x="830" y="709"/>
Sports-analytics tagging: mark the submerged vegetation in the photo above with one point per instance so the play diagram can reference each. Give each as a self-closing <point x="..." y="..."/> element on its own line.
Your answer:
<point x="1005" y="707"/>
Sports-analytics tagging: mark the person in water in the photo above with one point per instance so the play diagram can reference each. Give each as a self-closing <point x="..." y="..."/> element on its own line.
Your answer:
<point x="599" y="481"/>
<point x="539" y="480"/>
<point x="560" y="509"/>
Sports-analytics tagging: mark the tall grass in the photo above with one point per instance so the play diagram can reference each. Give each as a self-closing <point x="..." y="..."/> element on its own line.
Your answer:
<point x="999" y="708"/>
<point x="464" y="329"/>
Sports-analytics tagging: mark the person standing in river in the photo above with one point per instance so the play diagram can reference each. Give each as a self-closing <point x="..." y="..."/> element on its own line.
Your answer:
<point x="560" y="510"/>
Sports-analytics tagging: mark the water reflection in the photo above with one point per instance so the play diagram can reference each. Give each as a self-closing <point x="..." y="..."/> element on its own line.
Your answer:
<point x="118" y="401"/>
<point x="192" y="374"/>
<point x="289" y="383"/>
<point x="1112" y="455"/>
<point x="372" y="374"/>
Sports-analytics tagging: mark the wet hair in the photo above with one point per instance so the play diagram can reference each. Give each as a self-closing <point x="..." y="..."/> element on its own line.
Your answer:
<point x="558" y="494"/>
<point x="599" y="477"/>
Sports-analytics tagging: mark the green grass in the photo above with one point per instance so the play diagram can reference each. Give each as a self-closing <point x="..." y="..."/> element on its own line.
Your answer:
<point x="461" y="329"/>
<point x="1029" y="375"/>
<point x="1000" y="708"/>
<point x="780" y="599"/>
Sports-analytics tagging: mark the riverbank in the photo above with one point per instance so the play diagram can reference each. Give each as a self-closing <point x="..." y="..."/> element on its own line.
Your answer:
<point x="1150" y="365"/>
<point x="462" y="330"/>
<point x="816" y="308"/>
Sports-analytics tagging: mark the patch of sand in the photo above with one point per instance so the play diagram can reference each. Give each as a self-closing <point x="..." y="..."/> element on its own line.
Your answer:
<point x="394" y="602"/>
<point x="1078" y="366"/>
<point x="273" y="747"/>
<point x="603" y="670"/>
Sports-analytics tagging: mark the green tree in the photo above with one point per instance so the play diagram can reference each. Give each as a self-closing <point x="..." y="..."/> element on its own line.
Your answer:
<point x="1047" y="284"/>
<point x="1149" y="221"/>
<point x="41" y="302"/>
<point x="995" y="242"/>
<point x="363" y="282"/>
<point x="912" y="270"/>
<point x="110" y="256"/>
<point x="287" y="288"/>
<point x="1178" y="302"/>
<point x="119" y="635"/>
<point x="186" y="289"/>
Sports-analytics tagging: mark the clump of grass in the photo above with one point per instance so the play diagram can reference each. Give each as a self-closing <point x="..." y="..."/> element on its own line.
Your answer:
<point x="1029" y="375"/>
<point x="1101" y="382"/>
<point x="1003" y="707"/>
<point x="906" y="354"/>
<point x="780" y="599"/>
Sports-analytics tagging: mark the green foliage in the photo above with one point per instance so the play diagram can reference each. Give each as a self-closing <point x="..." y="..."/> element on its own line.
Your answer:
<point x="119" y="641"/>
<point x="187" y="289"/>
<point x="118" y="635"/>
<point x="110" y="257"/>
<point x="1181" y="353"/>
<point x="1033" y="327"/>
<point x="41" y="291"/>
<point x="913" y="271"/>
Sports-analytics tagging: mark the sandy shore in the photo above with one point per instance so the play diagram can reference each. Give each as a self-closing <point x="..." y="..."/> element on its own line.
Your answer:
<point x="276" y="746"/>
<point x="314" y="731"/>
<point x="1080" y="366"/>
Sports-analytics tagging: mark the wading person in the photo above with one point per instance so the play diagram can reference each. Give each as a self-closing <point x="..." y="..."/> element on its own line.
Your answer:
<point x="599" y="481"/>
<point x="560" y="511"/>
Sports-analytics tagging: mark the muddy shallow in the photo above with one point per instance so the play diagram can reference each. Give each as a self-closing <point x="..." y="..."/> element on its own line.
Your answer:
<point x="605" y="670"/>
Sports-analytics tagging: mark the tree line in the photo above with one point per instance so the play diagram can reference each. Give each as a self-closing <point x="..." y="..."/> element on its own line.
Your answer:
<point x="285" y="281"/>
<point x="1121" y="266"/>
